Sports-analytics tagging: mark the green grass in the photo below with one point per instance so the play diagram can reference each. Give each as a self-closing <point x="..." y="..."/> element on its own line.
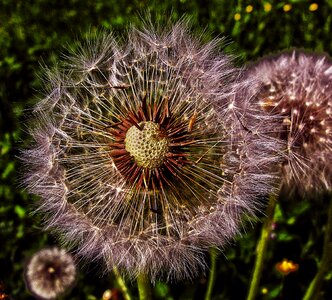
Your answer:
<point x="37" y="32"/>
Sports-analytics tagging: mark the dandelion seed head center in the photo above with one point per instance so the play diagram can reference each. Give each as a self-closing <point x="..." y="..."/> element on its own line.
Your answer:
<point x="51" y="270"/>
<point x="148" y="146"/>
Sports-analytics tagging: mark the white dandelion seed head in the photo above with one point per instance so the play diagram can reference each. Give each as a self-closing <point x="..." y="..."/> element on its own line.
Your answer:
<point x="296" y="87"/>
<point x="50" y="273"/>
<point x="139" y="160"/>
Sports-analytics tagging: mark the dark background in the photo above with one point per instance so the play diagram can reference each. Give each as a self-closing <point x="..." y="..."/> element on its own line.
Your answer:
<point x="37" y="32"/>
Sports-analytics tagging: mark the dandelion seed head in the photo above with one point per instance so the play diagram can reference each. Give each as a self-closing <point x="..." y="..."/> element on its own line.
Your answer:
<point x="297" y="89"/>
<point x="50" y="273"/>
<point x="140" y="161"/>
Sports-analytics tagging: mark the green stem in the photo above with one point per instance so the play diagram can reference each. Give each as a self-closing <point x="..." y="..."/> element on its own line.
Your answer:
<point x="121" y="284"/>
<point x="261" y="248"/>
<point x="325" y="265"/>
<point x="212" y="275"/>
<point x="144" y="287"/>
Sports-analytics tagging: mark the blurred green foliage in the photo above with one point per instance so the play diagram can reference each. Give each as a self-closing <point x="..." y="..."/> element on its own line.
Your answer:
<point x="35" y="32"/>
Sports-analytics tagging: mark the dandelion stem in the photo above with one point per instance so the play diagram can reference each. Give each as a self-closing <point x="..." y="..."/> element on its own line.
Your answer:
<point x="313" y="290"/>
<point x="121" y="284"/>
<point x="212" y="274"/>
<point x="144" y="288"/>
<point x="262" y="247"/>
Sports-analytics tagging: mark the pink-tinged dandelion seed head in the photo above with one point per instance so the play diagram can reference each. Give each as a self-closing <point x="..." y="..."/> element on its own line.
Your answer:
<point x="50" y="273"/>
<point x="140" y="159"/>
<point x="296" y="87"/>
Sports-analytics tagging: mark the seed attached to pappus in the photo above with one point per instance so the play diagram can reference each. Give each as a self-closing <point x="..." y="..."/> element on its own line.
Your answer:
<point x="139" y="159"/>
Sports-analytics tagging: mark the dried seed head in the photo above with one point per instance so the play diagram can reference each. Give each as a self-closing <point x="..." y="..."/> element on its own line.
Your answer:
<point x="139" y="159"/>
<point x="297" y="89"/>
<point x="50" y="273"/>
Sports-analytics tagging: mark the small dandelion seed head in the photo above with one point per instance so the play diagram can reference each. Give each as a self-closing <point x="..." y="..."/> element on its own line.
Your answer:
<point x="50" y="273"/>
<point x="145" y="154"/>
<point x="296" y="88"/>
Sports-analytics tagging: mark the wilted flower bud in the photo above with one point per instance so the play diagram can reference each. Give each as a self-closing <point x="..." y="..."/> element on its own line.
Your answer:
<point x="296" y="88"/>
<point x="141" y="155"/>
<point x="50" y="273"/>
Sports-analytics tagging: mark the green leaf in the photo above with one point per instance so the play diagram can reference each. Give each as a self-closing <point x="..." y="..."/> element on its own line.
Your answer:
<point x="5" y="145"/>
<point x="9" y="168"/>
<point x="20" y="211"/>
<point x="161" y="290"/>
<point x="284" y="236"/>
